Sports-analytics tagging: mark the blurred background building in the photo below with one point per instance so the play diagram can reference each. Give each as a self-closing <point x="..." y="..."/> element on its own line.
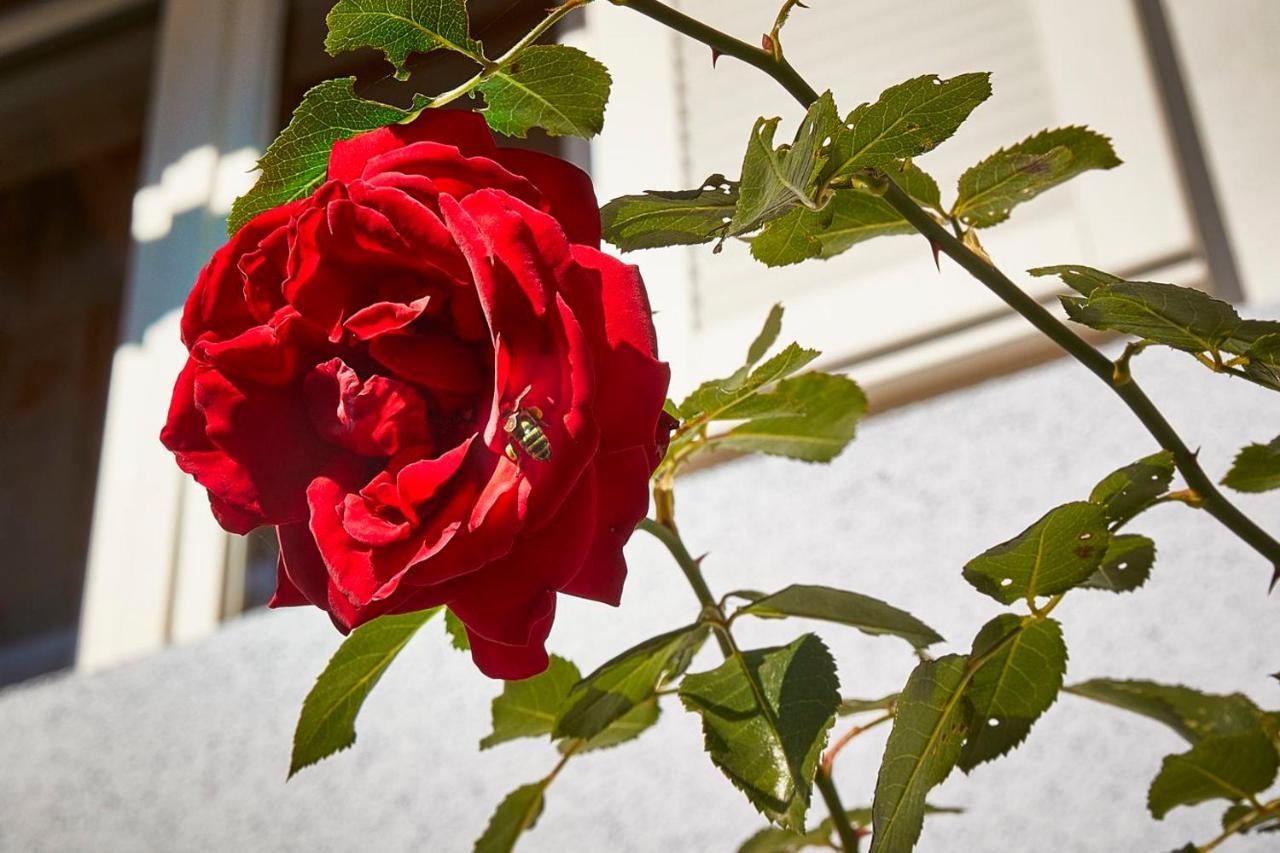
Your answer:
<point x="127" y="127"/>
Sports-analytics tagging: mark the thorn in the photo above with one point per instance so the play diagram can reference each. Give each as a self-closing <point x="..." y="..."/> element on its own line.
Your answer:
<point x="715" y="55"/>
<point x="1275" y="576"/>
<point x="937" y="249"/>
<point x="766" y="42"/>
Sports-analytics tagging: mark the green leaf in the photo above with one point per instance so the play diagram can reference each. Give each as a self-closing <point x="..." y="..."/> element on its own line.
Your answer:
<point x="719" y="398"/>
<point x="1179" y="317"/>
<point x="1014" y="686"/>
<point x="515" y="814"/>
<point x="457" y="632"/>
<point x="775" y="180"/>
<point x="989" y="190"/>
<point x="1243" y="817"/>
<point x="670" y="217"/>
<point x="1053" y="555"/>
<point x="328" y="719"/>
<point x="1256" y="468"/>
<point x="811" y="417"/>
<point x="1191" y="713"/>
<point x="774" y="840"/>
<point x="1126" y="565"/>
<point x="399" y="28"/>
<point x="907" y="120"/>
<point x="850" y="705"/>
<point x="297" y="161"/>
<point x="769" y="752"/>
<point x="528" y="708"/>
<point x="1127" y="491"/>
<point x="1258" y="341"/>
<point x="931" y="724"/>
<point x="627" y="727"/>
<point x="1079" y="278"/>
<point x="849" y="217"/>
<point x="867" y="614"/>
<point x="552" y="86"/>
<point x="612" y="691"/>
<point x="1232" y="767"/>
<point x="768" y="335"/>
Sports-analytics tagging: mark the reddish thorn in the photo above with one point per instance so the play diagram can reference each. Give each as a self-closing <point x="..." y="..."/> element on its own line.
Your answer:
<point x="715" y="55"/>
<point x="767" y="43"/>
<point x="937" y="248"/>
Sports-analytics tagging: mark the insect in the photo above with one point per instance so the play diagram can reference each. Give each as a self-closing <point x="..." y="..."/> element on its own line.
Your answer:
<point x="524" y="425"/>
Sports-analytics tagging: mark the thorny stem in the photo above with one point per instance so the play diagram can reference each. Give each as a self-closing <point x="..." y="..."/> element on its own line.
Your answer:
<point x="714" y="613"/>
<point x="1214" y="502"/>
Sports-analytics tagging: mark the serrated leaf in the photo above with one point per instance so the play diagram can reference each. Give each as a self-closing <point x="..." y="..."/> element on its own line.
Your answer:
<point x="399" y="28"/>
<point x="714" y="398"/>
<point x="931" y="723"/>
<point x="769" y="752"/>
<point x="528" y="708"/>
<point x="619" y="685"/>
<point x="1256" y="468"/>
<point x="327" y="722"/>
<point x="811" y="417"/>
<point x="776" y="179"/>
<point x="1178" y="317"/>
<point x="297" y="161"/>
<point x="457" y="632"/>
<point x="1126" y="565"/>
<point x="989" y="190"/>
<point x="670" y="217"/>
<point x="1127" y="491"/>
<point x="907" y="120"/>
<point x="1053" y="555"/>
<point x="774" y="840"/>
<point x="1258" y="341"/>
<point x="1014" y="686"/>
<point x="867" y="614"/>
<point x="849" y="217"/>
<point x="552" y="86"/>
<point x="627" y="727"/>
<point x="518" y="812"/>
<point x="1231" y="766"/>
<point x="1193" y="714"/>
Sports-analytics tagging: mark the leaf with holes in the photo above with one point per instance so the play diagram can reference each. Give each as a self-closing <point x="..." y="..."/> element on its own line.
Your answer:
<point x="811" y="417"/>
<point x="1193" y="714"/>
<point x="721" y="398"/>
<point x="1126" y="565"/>
<point x="619" y="685"/>
<point x="989" y="190"/>
<point x="1053" y="555"/>
<point x="774" y="180"/>
<point x="932" y="721"/>
<point x="768" y="746"/>
<point x="907" y="120"/>
<point x="1230" y="767"/>
<point x="557" y="88"/>
<point x="1127" y="491"/>
<point x="399" y="28"/>
<point x="327" y="722"/>
<point x="670" y="217"/>
<point x="1014" y="685"/>
<point x="515" y="815"/>
<point x="867" y="614"/>
<point x="528" y="708"/>
<point x="1079" y="278"/>
<point x="457" y="632"/>
<point x="1256" y="468"/>
<point x="297" y="161"/>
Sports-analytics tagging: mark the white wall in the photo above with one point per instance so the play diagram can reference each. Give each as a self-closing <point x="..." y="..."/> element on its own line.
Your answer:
<point x="188" y="750"/>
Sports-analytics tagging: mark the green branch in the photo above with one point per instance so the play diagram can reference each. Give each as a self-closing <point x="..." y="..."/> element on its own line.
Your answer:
<point x="1214" y="502"/>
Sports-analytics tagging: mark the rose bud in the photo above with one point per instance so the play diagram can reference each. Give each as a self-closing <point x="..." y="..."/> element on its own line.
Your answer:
<point x="433" y="384"/>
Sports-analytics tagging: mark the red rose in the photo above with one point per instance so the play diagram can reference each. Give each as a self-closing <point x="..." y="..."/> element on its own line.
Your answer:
<point x="433" y="383"/>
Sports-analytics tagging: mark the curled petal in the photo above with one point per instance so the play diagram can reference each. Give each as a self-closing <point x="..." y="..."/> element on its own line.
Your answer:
<point x="376" y="417"/>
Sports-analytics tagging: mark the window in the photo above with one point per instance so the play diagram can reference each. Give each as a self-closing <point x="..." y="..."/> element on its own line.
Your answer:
<point x="65" y="197"/>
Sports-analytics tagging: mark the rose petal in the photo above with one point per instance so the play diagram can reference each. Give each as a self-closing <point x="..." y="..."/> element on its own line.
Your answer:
<point x="375" y="417"/>
<point x="566" y="191"/>
<point x="462" y="128"/>
<point x="623" y="499"/>
<point x="432" y="358"/>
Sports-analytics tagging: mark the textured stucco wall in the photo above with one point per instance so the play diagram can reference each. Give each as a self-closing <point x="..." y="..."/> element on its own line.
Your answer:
<point x="188" y="750"/>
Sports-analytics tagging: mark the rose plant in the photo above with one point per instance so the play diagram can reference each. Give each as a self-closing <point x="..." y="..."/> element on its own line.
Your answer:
<point x="414" y="361"/>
